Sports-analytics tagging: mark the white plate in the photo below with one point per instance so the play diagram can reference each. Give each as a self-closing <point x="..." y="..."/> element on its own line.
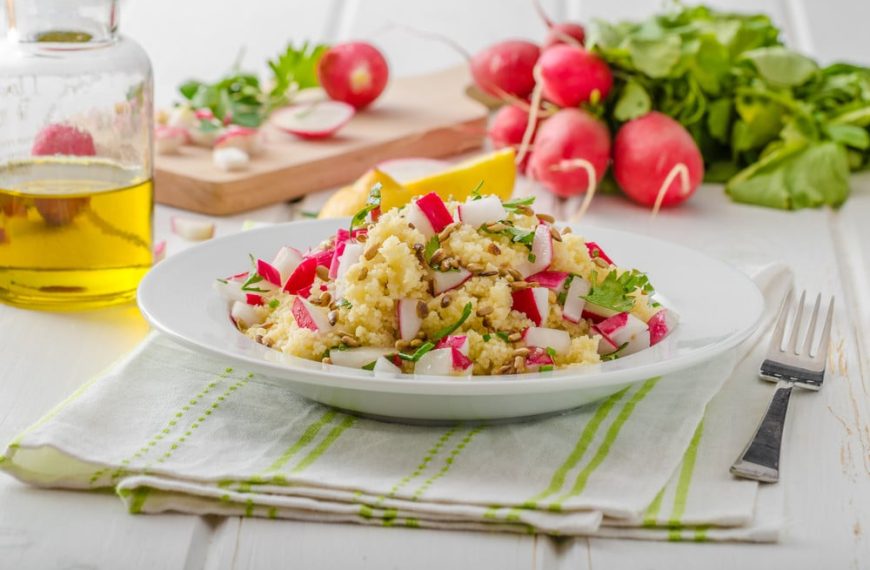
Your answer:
<point x="718" y="306"/>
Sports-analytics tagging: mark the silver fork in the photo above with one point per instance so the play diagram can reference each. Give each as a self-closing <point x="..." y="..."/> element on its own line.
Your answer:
<point x="788" y="367"/>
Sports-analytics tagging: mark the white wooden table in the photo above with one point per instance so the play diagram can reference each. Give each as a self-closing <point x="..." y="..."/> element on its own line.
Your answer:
<point x="45" y="356"/>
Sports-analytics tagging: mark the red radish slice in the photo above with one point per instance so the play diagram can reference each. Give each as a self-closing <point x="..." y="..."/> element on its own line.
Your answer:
<point x="287" y="259"/>
<point x="606" y="346"/>
<point x="352" y="252"/>
<point x="204" y="114"/>
<point x="550" y="279"/>
<point x="336" y="258"/>
<point x="159" y="250"/>
<point x="460" y="361"/>
<point x="558" y="340"/>
<point x="638" y="342"/>
<point x="572" y="311"/>
<point x="383" y="364"/>
<point x="310" y="317"/>
<point x="358" y="357"/>
<point x="314" y="120"/>
<point x="268" y="272"/>
<point x="191" y="230"/>
<point x="475" y="213"/>
<point x="242" y="138"/>
<point x="408" y="320"/>
<point x="254" y="299"/>
<point x="595" y="251"/>
<point x="167" y="140"/>
<point x="418" y="219"/>
<point x="620" y="328"/>
<point x="435" y="210"/>
<point x="442" y="362"/>
<point x="538" y="357"/>
<point x="459" y="342"/>
<point x="238" y="276"/>
<point x="532" y="302"/>
<point x="407" y="169"/>
<point x="323" y="258"/>
<point x="597" y="313"/>
<point x="542" y="251"/>
<point x="661" y="324"/>
<point x="231" y="290"/>
<point x="447" y="280"/>
<point x="244" y="315"/>
<point x="302" y="277"/>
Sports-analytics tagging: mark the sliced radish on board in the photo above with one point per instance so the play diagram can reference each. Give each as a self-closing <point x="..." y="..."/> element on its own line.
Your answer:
<point x="310" y="317"/>
<point x="542" y="337"/>
<point x="287" y="259"/>
<point x="572" y="310"/>
<point x="191" y="230"/>
<point x="447" y="280"/>
<point x="384" y="364"/>
<point x="409" y="320"/>
<point x="243" y="138"/>
<point x="245" y="315"/>
<point x="550" y="279"/>
<point x="313" y="120"/>
<point x="475" y="213"/>
<point x="407" y="169"/>
<point x="358" y="357"/>
<point x="269" y="272"/>
<point x="435" y="210"/>
<point x="167" y="140"/>
<point x="459" y="342"/>
<point x="595" y="251"/>
<point x="532" y="302"/>
<point x="661" y="324"/>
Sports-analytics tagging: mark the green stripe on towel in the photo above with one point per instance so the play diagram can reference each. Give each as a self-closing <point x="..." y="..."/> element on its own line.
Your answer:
<point x="683" y="485"/>
<point x="324" y="445"/>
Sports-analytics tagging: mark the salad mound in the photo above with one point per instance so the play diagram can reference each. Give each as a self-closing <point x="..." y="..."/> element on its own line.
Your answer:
<point x="449" y="288"/>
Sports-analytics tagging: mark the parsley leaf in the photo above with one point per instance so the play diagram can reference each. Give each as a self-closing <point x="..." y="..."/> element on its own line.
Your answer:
<point x="253" y="279"/>
<point x="518" y="203"/>
<point x="613" y="291"/>
<point x="503" y="335"/>
<point x="431" y="247"/>
<point x="475" y="193"/>
<point x="466" y="312"/>
<point x="293" y="70"/>
<point x="551" y="352"/>
<point x="374" y="201"/>
<point x="370" y="365"/>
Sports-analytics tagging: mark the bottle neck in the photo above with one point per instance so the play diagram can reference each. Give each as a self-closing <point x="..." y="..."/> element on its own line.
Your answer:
<point x="61" y="21"/>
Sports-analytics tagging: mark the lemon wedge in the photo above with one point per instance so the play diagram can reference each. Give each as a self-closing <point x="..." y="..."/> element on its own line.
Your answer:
<point x="351" y="199"/>
<point x="496" y="170"/>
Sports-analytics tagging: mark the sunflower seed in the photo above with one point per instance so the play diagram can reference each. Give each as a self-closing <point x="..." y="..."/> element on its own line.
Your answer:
<point x="363" y="273"/>
<point x="554" y="233"/>
<point x="437" y="256"/>
<point x="350" y="341"/>
<point x="322" y="272"/>
<point x="493" y="248"/>
<point x="514" y="337"/>
<point x="546" y="218"/>
<point x="372" y="251"/>
<point x="422" y="309"/>
<point x="332" y="316"/>
<point x="445" y="301"/>
<point x="485" y="310"/>
<point x="521" y="352"/>
<point x="520" y="285"/>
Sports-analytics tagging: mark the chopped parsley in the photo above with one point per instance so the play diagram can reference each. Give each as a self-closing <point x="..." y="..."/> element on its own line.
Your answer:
<point x="466" y="312"/>
<point x="563" y="294"/>
<point x="615" y="354"/>
<point x="253" y="279"/>
<point x="370" y="365"/>
<point x="424" y="348"/>
<point x="487" y="337"/>
<point x="518" y="203"/>
<point x="475" y="193"/>
<point x="306" y="214"/>
<point x="344" y="303"/>
<point x="516" y="235"/>
<point x="546" y="368"/>
<point x="373" y="202"/>
<point x="613" y="291"/>
<point x="274" y="303"/>
<point x="532" y="257"/>
<point x="503" y="335"/>
<point x="431" y="247"/>
<point x="551" y="352"/>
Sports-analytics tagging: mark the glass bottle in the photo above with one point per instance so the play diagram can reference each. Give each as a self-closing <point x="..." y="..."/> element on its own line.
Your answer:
<point x="76" y="195"/>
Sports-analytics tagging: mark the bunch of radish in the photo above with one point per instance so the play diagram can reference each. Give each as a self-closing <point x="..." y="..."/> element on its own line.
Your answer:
<point x="549" y="93"/>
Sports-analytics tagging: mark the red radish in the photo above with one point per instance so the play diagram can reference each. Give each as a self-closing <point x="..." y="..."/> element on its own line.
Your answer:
<point x="159" y="251"/>
<point x="442" y="362"/>
<point x="409" y="321"/>
<point x="351" y="254"/>
<point x="532" y="302"/>
<point x="550" y="279"/>
<point x="461" y="362"/>
<point x="475" y="213"/>
<point x="418" y="219"/>
<point x="270" y="273"/>
<point x="167" y="140"/>
<point x="571" y="75"/>
<point x="63" y="139"/>
<point x="242" y="138"/>
<point x="312" y="121"/>
<point x="322" y="257"/>
<point x="542" y="252"/>
<point x="302" y="277"/>
<point x="254" y="299"/>
<point x="507" y="128"/>
<point x="595" y="251"/>
<point x="638" y="342"/>
<point x="459" y="342"/>
<point x="287" y="259"/>
<point x="656" y="161"/>
<point x="354" y="72"/>
<point x="407" y="169"/>
<point x="661" y="324"/>
<point x="506" y="68"/>
<point x="565" y="33"/>
<point x="597" y="313"/>
<point x="620" y="328"/>
<point x="358" y="357"/>
<point x="204" y="114"/>
<point x="384" y="364"/>
<point x="538" y="357"/>
<point x="606" y="346"/>
<point x="570" y="146"/>
<point x="309" y="317"/>
<point x="447" y="280"/>
<point x="231" y="290"/>
<point x="190" y="229"/>
<point x="572" y="311"/>
<point x="558" y="340"/>
<point x="239" y="276"/>
<point x="244" y="315"/>
<point x="435" y="210"/>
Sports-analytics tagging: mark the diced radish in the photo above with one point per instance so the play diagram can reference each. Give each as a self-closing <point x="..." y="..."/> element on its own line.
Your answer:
<point x="532" y="302"/>
<point x="558" y="340"/>
<point x="167" y="140"/>
<point x="407" y="169"/>
<point x="159" y="250"/>
<point x="310" y="317"/>
<point x="574" y="302"/>
<point x="270" y="273"/>
<point x="245" y="315"/>
<point x="230" y="290"/>
<point x="242" y="138"/>
<point x="312" y="121"/>
<point x="538" y="357"/>
<point x="542" y="250"/>
<point x="286" y="261"/>
<point x="606" y="346"/>
<point x="302" y="277"/>
<point x="442" y="362"/>
<point x="359" y="357"/>
<point x="459" y="342"/>
<point x="418" y="219"/>
<point x="323" y="257"/>
<point x="192" y="230"/>
<point x="620" y="328"/>
<point x="447" y="280"/>
<point x="239" y="276"/>
<point x="383" y="364"/>
<point x="461" y="362"/>
<point x="230" y="159"/>
<point x="351" y="254"/>
<point x="597" y="313"/>
<point x="254" y="299"/>
<point x="475" y="213"/>
<point x="336" y="258"/>
<point x="550" y="279"/>
<point x="409" y="320"/>
<point x="661" y="324"/>
<point x="435" y="210"/>
<point x="595" y="251"/>
<point x="638" y="342"/>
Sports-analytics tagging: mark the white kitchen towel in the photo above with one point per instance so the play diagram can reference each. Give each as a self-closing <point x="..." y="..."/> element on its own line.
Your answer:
<point x="174" y="430"/>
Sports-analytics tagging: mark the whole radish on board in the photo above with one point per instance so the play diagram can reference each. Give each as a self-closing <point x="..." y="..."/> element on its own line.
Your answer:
<point x="355" y="73"/>
<point x="506" y="68"/>
<point x="656" y="161"/>
<point x="572" y="149"/>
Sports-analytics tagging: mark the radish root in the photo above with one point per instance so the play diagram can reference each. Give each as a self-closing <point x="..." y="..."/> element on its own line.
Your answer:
<point x="450" y="42"/>
<point x="591" y="185"/>
<point x="549" y="23"/>
<point x="537" y="94"/>
<point x="679" y="169"/>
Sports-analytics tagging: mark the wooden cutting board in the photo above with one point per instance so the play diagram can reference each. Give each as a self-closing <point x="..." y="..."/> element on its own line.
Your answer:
<point x="425" y="116"/>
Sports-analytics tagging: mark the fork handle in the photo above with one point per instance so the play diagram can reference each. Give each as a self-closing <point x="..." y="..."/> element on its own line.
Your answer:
<point x="760" y="459"/>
